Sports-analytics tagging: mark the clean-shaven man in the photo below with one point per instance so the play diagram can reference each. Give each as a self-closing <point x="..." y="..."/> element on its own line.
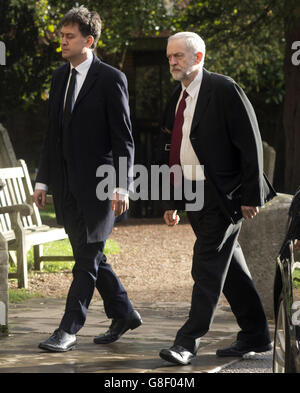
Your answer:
<point x="214" y="125"/>
<point x="88" y="126"/>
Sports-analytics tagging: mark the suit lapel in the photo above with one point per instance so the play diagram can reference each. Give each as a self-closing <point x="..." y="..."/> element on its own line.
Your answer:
<point x="60" y="88"/>
<point x="89" y="81"/>
<point x="61" y="83"/>
<point x="202" y="102"/>
<point x="171" y="109"/>
<point x="203" y="99"/>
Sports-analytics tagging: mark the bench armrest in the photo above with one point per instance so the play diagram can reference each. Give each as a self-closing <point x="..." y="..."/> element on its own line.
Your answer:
<point x="24" y="209"/>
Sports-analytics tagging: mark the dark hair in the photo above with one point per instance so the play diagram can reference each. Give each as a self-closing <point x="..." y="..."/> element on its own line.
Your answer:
<point x="89" y="22"/>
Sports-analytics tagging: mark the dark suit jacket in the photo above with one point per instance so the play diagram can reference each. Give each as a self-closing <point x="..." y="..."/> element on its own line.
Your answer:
<point x="227" y="141"/>
<point x="99" y="133"/>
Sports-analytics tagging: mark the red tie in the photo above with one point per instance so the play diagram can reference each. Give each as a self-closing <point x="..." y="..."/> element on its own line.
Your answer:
<point x="177" y="134"/>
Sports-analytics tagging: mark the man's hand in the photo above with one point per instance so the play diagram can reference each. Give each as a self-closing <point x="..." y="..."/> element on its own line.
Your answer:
<point x="120" y="203"/>
<point x="171" y="217"/>
<point x="249" y="211"/>
<point x="297" y="244"/>
<point x="39" y="198"/>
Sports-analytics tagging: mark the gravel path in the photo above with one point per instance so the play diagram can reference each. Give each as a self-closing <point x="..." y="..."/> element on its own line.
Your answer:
<point x="154" y="263"/>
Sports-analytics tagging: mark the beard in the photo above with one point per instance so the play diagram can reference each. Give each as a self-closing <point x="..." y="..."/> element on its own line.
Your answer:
<point x="180" y="74"/>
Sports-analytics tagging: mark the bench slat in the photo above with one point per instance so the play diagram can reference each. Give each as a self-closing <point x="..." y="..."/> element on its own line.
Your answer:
<point x="20" y="186"/>
<point x="5" y="220"/>
<point x="10" y="173"/>
<point x="29" y="230"/>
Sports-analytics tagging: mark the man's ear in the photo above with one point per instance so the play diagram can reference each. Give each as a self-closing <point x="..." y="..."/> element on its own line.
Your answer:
<point x="90" y="41"/>
<point x="199" y="56"/>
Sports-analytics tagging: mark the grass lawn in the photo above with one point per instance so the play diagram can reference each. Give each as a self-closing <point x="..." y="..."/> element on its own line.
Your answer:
<point x="296" y="278"/>
<point x="63" y="247"/>
<point x="60" y="247"/>
<point x="21" y="294"/>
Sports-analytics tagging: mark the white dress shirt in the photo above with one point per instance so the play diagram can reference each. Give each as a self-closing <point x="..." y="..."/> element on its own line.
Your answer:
<point x="190" y="164"/>
<point x="82" y="70"/>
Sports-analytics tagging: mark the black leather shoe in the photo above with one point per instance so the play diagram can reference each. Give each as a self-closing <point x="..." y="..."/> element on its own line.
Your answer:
<point x="118" y="327"/>
<point x="239" y="348"/>
<point x="60" y="341"/>
<point x="177" y="355"/>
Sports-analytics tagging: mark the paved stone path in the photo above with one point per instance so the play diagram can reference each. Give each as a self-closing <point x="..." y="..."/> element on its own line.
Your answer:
<point x="136" y="352"/>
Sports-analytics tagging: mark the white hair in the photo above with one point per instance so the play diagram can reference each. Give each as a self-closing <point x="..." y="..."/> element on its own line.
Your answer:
<point x="193" y="42"/>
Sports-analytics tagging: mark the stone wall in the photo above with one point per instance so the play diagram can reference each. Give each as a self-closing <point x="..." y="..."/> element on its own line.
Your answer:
<point x="3" y="286"/>
<point x="261" y="239"/>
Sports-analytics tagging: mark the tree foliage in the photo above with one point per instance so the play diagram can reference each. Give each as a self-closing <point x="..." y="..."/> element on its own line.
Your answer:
<point x="244" y="40"/>
<point x="28" y="29"/>
<point x="30" y="56"/>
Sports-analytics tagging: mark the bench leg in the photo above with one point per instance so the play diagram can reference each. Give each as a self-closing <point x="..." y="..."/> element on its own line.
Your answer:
<point x="12" y="258"/>
<point x="22" y="270"/>
<point x="21" y="249"/>
<point x="38" y="253"/>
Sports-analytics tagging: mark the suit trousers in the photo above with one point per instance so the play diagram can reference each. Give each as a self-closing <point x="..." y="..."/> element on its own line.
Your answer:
<point x="90" y="270"/>
<point x="219" y="265"/>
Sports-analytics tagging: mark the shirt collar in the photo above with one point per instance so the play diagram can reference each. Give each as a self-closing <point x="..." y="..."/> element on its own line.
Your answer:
<point x="193" y="87"/>
<point x="83" y="67"/>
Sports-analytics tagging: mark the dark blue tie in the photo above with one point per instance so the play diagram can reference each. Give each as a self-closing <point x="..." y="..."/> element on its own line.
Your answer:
<point x="68" y="112"/>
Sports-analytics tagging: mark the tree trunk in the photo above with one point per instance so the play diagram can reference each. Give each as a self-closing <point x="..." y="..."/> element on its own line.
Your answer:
<point x="291" y="114"/>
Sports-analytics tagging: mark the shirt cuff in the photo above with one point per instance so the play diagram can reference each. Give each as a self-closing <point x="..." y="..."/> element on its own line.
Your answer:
<point x="41" y="186"/>
<point x="123" y="194"/>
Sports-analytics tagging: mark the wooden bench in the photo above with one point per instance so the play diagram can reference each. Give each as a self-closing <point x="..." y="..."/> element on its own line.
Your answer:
<point x="21" y="224"/>
<point x="3" y="283"/>
<point x="7" y="153"/>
